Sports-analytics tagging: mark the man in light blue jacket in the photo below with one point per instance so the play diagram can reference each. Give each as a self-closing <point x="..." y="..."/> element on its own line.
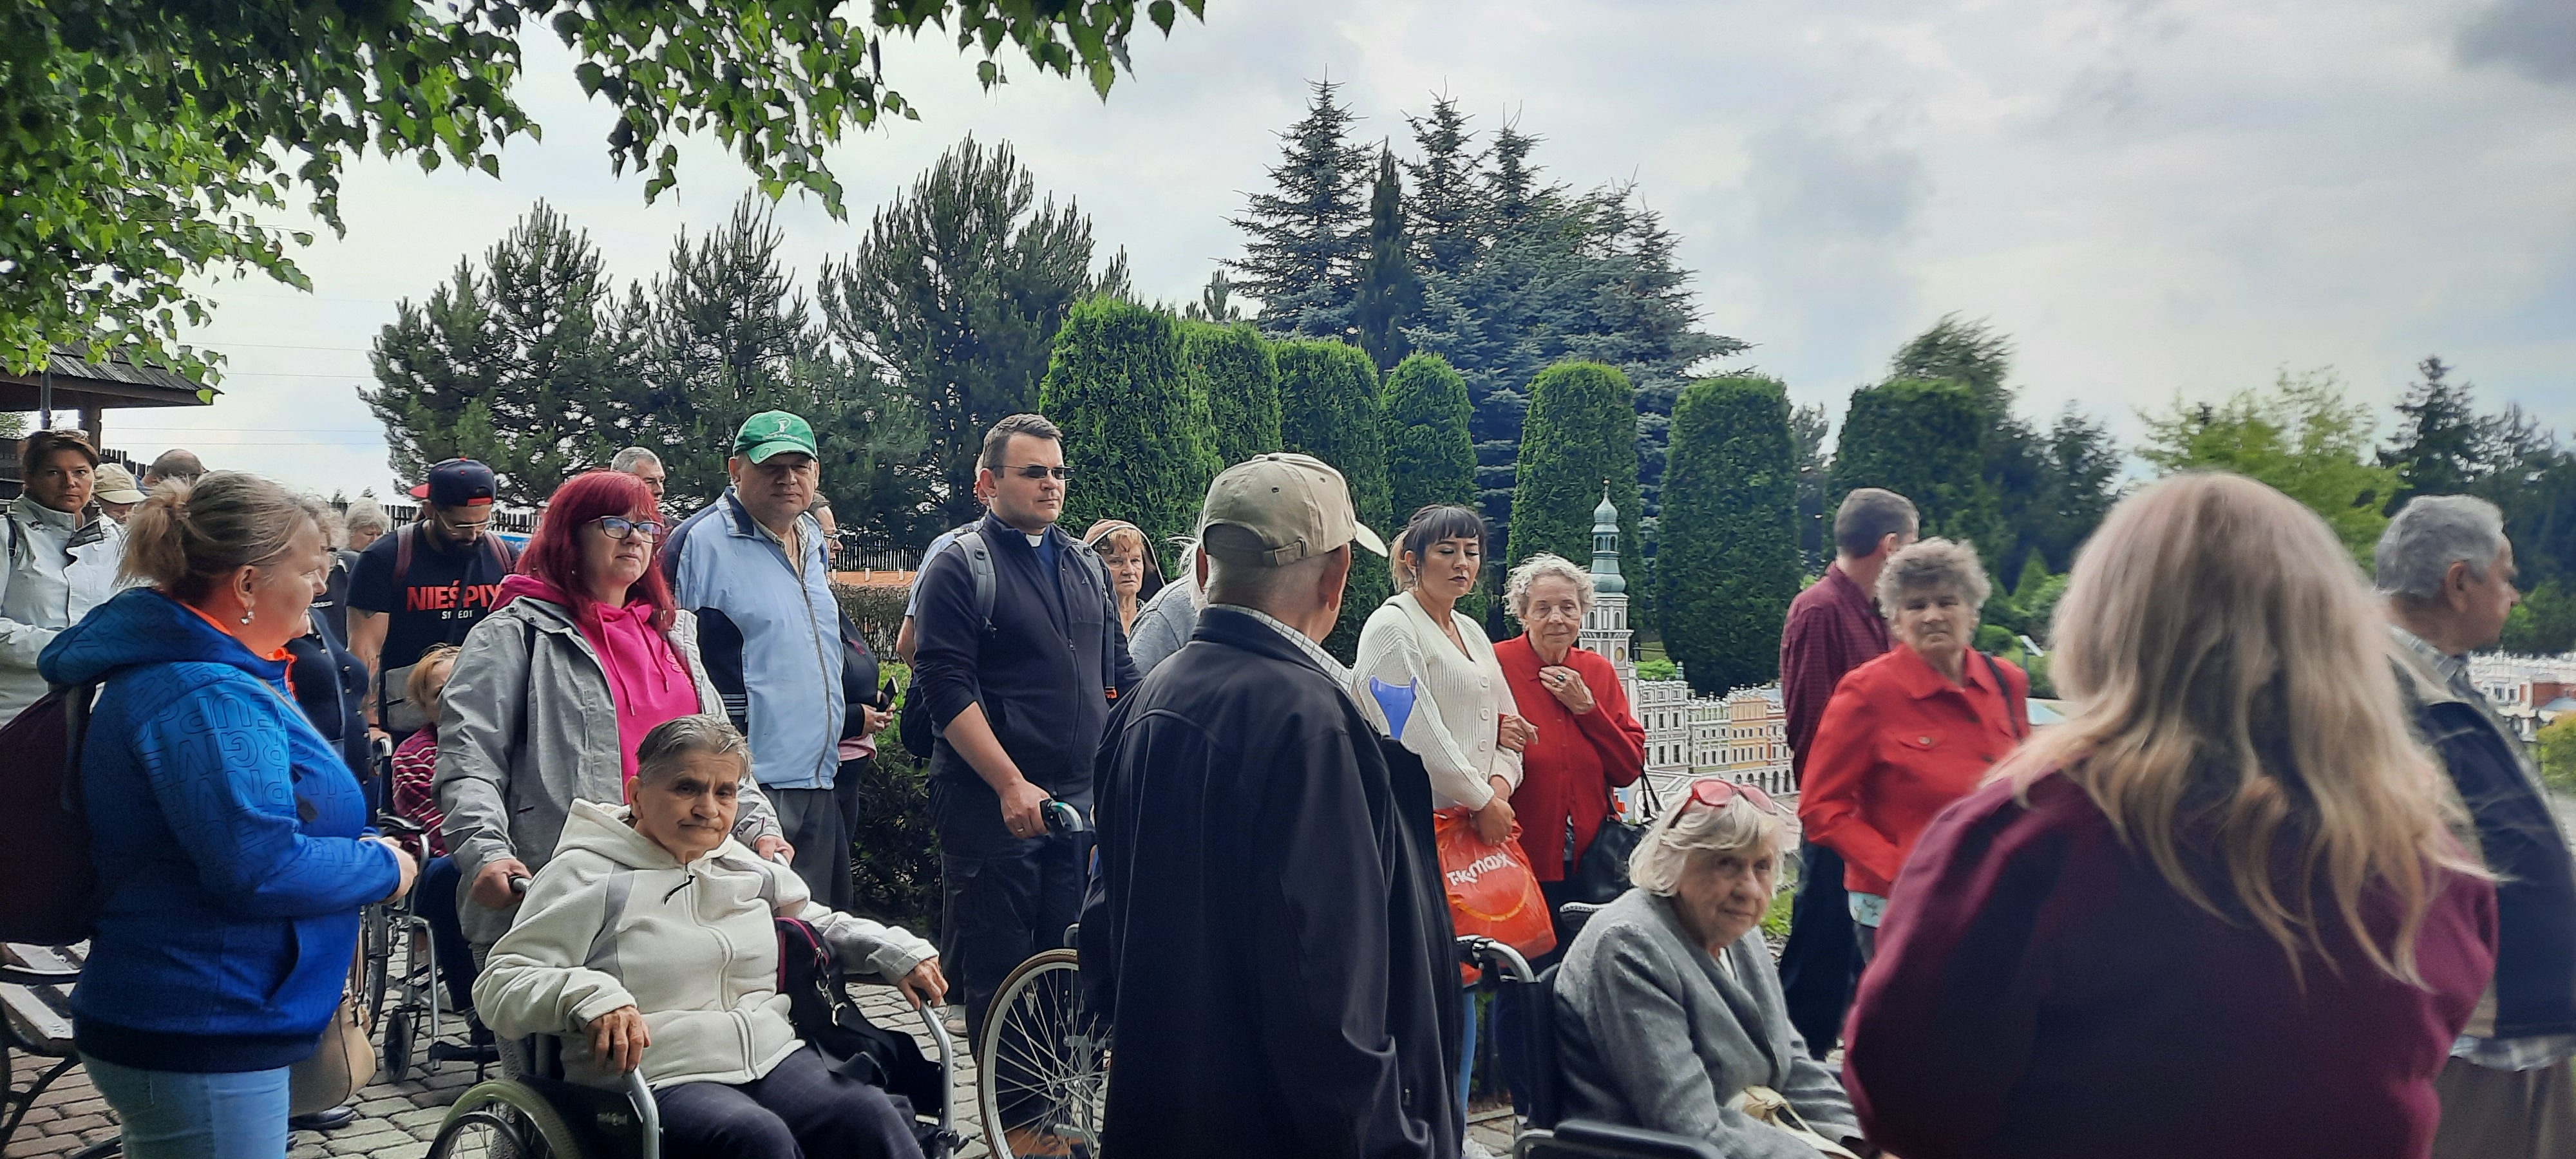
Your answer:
<point x="756" y="570"/>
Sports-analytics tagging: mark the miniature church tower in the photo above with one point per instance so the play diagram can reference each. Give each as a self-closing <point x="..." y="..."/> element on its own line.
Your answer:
<point x="1605" y="628"/>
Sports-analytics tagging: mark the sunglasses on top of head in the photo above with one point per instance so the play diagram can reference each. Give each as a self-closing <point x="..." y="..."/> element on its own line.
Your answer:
<point x="619" y="527"/>
<point x="1715" y="793"/>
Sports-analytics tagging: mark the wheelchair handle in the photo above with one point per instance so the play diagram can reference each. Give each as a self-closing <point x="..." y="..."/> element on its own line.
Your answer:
<point x="646" y="1111"/>
<point x="518" y="885"/>
<point x="1062" y="818"/>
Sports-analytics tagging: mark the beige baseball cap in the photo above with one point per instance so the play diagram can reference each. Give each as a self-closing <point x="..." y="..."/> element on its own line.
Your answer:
<point x="114" y="484"/>
<point x="1275" y="509"/>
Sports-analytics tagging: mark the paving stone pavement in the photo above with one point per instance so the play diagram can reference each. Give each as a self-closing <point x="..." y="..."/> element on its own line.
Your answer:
<point x="397" y="1120"/>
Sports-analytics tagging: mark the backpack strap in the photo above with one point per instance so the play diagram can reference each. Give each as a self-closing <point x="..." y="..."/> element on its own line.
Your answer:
<point x="2020" y="722"/>
<point x="402" y="553"/>
<point x="979" y="565"/>
<point x="77" y="699"/>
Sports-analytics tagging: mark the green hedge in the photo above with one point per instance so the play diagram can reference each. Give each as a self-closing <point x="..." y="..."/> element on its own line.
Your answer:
<point x="1726" y="564"/>
<point x="1136" y="427"/>
<point x="1329" y="408"/>
<point x="1237" y="370"/>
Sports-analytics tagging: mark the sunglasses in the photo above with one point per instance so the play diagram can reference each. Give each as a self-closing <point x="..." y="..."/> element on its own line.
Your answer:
<point x="619" y="528"/>
<point x="1034" y="471"/>
<point x="1715" y="793"/>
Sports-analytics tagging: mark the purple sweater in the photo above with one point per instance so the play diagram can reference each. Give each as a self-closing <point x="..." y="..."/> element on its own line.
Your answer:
<point x="2040" y="991"/>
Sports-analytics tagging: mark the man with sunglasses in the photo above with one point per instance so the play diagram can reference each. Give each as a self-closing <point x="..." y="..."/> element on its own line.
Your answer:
<point x="755" y="568"/>
<point x="425" y="584"/>
<point x="1020" y="692"/>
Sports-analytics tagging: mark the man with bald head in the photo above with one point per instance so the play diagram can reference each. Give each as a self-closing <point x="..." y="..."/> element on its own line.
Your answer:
<point x="175" y="463"/>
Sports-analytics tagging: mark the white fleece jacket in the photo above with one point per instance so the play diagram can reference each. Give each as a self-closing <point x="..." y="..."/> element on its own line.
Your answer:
<point x="614" y="920"/>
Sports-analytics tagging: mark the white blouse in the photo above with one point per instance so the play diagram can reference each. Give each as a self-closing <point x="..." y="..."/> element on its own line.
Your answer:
<point x="1457" y="699"/>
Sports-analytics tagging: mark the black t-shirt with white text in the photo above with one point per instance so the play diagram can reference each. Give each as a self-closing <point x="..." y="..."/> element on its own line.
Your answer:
<point x="440" y="597"/>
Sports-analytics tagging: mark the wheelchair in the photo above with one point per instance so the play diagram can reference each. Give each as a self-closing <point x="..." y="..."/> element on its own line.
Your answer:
<point x="405" y="995"/>
<point x="1042" y="1061"/>
<point x="1546" y="1132"/>
<point x="541" y="1115"/>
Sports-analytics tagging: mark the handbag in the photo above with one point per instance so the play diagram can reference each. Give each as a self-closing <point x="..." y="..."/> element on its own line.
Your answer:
<point x="1766" y="1106"/>
<point x="1492" y="892"/>
<point x="1603" y="873"/>
<point x="341" y="1062"/>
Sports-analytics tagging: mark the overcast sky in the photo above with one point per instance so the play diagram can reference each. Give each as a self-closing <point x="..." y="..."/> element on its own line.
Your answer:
<point x="2152" y="197"/>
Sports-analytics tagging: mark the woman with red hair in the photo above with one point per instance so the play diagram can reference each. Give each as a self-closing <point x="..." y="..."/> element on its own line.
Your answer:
<point x="553" y="691"/>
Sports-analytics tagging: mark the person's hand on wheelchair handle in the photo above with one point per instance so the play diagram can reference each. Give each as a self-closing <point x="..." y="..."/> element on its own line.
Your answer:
<point x="925" y="985"/>
<point x="403" y="860"/>
<point x="618" y="1038"/>
<point x="775" y="848"/>
<point x="491" y="888"/>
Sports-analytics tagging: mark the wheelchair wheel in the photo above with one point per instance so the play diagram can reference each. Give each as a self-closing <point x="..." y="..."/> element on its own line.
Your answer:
<point x="407" y="1038"/>
<point x="503" y="1120"/>
<point x="1042" y="1063"/>
<point x="376" y="941"/>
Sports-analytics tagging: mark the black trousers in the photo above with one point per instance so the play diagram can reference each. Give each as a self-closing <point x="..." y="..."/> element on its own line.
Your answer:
<point x="801" y="1109"/>
<point x="1821" y="962"/>
<point x="1000" y="908"/>
<point x="812" y="821"/>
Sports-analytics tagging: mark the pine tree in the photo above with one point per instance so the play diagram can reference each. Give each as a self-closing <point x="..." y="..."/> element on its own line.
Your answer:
<point x="1216" y="302"/>
<point x="1581" y="433"/>
<point x="1920" y="440"/>
<point x="2436" y="451"/>
<point x="953" y="296"/>
<point x="1389" y="292"/>
<point x="1445" y="209"/>
<point x="525" y="363"/>
<point x="1727" y="565"/>
<point x="1240" y="376"/>
<point x="1136" y="427"/>
<point x="1308" y="237"/>
<point x="1329" y="407"/>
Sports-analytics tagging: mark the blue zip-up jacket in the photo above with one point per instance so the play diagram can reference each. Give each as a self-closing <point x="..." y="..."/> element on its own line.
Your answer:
<point x="769" y="633"/>
<point x="228" y="839"/>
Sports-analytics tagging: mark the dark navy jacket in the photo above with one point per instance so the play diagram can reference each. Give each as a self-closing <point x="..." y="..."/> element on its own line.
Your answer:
<point x="2535" y="979"/>
<point x="1037" y="670"/>
<point x="226" y="833"/>
<point x="1268" y="930"/>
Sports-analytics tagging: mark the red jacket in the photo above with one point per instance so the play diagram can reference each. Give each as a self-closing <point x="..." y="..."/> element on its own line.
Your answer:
<point x="1568" y="770"/>
<point x="1899" y="743"/>
<point x="2040" y="990"/>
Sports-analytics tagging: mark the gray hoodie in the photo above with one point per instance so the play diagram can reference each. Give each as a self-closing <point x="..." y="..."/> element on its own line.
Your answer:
<point x="614" y="920"/>
<point x="525" y="726"/>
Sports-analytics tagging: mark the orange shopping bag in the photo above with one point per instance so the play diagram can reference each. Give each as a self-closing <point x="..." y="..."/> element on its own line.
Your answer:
<point x="1492" y="890"/>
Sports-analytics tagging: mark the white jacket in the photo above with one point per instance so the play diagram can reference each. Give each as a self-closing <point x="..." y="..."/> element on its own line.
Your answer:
<point x="1451" y="703"/>
<point x="614" y="920"/>
<point x="54" y="567"/>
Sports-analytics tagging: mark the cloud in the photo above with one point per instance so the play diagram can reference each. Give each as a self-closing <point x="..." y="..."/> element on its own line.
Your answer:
<point x="2536" y="38"/>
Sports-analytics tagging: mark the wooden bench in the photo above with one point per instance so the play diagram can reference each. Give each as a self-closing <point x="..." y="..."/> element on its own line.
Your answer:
<point x="35" y="1020"/>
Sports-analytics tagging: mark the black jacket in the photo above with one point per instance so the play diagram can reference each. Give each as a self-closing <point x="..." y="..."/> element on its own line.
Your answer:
<point x="1037" y="670"/>
<point x="2534" y="992"/>
<point x="1267" y="926"/>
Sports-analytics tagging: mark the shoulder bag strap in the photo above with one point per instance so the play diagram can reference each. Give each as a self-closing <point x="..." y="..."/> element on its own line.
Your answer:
<point x="2020" y="716"/>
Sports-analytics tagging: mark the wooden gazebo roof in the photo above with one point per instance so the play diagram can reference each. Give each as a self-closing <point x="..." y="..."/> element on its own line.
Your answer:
<point x="90" y="387"/>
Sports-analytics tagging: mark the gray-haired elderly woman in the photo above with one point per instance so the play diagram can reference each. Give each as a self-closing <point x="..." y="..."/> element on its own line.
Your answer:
<point x="1588" y="741"/>
<point x="1671" y="1014"/>
<point x="1912" y="731"/>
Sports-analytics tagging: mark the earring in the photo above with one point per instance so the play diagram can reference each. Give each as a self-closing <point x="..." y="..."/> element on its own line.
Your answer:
<point x="246" y="615"/>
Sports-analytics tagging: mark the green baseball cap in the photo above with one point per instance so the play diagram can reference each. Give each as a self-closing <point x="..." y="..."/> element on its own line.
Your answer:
<point x="773" y="432"/>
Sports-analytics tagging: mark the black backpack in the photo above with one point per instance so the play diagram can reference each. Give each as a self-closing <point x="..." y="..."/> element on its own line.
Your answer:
<point x="48" y="884"/>
<point x="818" y="1003"/>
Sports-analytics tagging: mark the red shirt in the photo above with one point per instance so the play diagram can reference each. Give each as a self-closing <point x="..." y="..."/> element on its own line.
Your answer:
<point x="1833" y="628"/>
<point x="1898" y="744"/>
<point x="415" y="781"/>
<point x="2040" y="990"/>
<point x="1567" y="772"/>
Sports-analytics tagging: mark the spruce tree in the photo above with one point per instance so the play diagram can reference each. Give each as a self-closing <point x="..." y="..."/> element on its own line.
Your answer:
<point x="1309" y="235"/>
<point x="1240" y="376"/>
<point x="1136" y="427"/>
<point x="1329" y="407"/>
<point x="525" y="362"/>
<point x="953" y="295"/>
<point x="2436" y="449"/>
<point x="1445" y="208"/>
<point x="1581" y="433"/>
<point x="1727" y="565"/>
<point x="1389" y="293"/>
<point x="1921" y="440"/>
<point x="2080" y="479"/>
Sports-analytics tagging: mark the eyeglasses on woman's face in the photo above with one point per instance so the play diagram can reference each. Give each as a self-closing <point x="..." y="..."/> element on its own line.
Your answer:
<point x="619" y="527"/>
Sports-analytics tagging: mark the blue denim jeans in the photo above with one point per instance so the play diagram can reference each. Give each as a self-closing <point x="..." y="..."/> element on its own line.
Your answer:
<point x="177" y="1115"/>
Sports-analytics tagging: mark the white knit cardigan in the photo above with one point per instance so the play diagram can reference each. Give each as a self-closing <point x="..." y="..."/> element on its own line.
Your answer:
<point x="1459" y="701"/>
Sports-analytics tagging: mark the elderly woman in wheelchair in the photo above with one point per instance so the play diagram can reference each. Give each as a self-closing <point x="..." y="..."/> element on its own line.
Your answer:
<point x="648" y="942"/>
<point x="1669" y="1015"/>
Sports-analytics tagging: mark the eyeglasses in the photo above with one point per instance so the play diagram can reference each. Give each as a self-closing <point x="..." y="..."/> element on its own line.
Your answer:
<point x="618" y="528"/>
<point x="1035" y="471"/>
<point x="1715" y="793"/>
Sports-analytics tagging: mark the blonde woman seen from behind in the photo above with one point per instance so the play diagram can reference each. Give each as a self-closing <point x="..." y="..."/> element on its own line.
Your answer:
<point x="2218" y="912"/>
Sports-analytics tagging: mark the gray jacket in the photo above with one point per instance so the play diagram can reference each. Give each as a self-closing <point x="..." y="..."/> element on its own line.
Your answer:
<point x="1162" y="626"/>
<point x="54" y="567"/>
<point x="525" y="727"/>
<point x="1639" y="1001"/>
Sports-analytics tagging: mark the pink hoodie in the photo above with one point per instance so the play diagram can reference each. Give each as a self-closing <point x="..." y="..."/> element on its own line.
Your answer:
<point x="646" y="679"/>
